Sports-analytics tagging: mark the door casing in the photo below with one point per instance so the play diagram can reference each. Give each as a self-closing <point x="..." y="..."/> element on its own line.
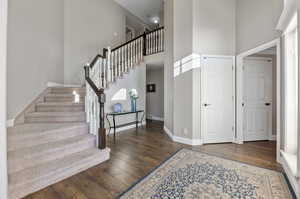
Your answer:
<point x="3" y="67"/>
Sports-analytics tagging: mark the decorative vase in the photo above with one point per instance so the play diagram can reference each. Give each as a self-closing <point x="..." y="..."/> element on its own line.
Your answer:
<point x="133" y="104"/>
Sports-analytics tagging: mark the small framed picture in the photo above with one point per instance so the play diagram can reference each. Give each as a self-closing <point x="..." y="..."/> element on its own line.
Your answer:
<point x="151" y="88"/>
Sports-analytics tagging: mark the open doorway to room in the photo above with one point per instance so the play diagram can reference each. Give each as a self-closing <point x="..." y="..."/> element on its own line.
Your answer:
<point x="258" y="96"/>
<point x="155" y="93"/>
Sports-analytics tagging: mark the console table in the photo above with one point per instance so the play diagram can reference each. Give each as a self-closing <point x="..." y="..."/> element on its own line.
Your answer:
<point x="114" y="115"/>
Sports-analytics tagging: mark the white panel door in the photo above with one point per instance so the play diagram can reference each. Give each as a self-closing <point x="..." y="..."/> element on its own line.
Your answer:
<point x="257" y="99"/>
<point x="217" y="99"/>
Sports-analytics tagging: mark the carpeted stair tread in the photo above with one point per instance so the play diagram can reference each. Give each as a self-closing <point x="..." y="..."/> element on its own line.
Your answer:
<point x="32" y="179"/>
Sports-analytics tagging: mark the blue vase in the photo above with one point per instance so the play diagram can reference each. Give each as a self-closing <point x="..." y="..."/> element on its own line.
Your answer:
<point x="133" y="104"/>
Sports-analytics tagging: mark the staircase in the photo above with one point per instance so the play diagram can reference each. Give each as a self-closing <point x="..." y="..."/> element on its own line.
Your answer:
<point x="106" y="69"/>
<point x="54" y="143"/>
<point x="65" y="134"/>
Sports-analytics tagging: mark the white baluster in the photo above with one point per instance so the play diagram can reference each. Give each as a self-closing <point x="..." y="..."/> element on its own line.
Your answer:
<point x="123" y="60"/>
<point x="119" y="62"/>
<point x="141" y="48"/>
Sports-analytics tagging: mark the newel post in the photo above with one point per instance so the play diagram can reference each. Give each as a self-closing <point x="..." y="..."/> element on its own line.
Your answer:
<point x="102" y="130"/>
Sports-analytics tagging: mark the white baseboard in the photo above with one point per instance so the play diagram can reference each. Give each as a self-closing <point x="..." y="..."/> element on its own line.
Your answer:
<point x="236" y="141"/>
<point x="273" y="138"/>
<point x="168" y="132"/>
<point x="155" y="118"/>
<point x="125" y="128"/>
<point x="10" y="123"/>
<point x="192" y="142"/>
<point x="53" y="84"/>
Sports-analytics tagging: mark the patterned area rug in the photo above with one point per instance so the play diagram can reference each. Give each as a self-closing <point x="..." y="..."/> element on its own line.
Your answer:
<point x="194" y="175"/>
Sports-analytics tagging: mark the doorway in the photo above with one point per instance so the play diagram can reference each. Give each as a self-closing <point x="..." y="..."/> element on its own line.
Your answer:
<point x="218" y="99"/>
<point x="155" y="92"/>
<point x="258" y="95"/>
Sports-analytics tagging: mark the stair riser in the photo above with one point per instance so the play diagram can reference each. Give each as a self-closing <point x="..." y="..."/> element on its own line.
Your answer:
<point x="45" y="119"/>
<point x="17" y="192"/>
<point x="15" y="165"/>
<point x="74" y="108"/>
<point x="68" y="90"/>
<point x="23" y="141"/>
<point x="61" y="99"/>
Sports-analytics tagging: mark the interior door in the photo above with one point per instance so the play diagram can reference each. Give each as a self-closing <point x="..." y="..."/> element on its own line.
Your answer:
<point x="217" y="90"/>
<point x="257" y="99"/>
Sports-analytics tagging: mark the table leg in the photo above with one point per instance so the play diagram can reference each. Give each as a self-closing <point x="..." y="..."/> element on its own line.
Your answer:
<point x="137" y="121"/>
<point x="114" y="121"/>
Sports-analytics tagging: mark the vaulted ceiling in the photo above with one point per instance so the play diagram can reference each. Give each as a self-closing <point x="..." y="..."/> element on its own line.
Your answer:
<point x="146" y="10"/>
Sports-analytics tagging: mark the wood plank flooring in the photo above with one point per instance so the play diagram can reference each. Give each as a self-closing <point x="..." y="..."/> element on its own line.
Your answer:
<point x="135" y="155"/>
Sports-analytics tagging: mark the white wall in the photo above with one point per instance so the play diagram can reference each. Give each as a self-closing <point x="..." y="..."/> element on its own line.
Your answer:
<point x="183" y="28"/>
<point x="256" y="22"/>
<point x="169" y="64"/>
<point x="214" y="23"/>
<point x="89" y="27"/>
<point x="118" y="93"/>
<point x="35" y="50"/>
<point x="3" y="136"/>
<point x="155" y="100"/>
<point x="200" y="27"/>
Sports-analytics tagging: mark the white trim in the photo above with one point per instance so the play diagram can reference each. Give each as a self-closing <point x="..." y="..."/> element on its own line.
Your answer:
<point x="3" y="101"/>
<point x="187" y="141"/>
<point x="292" y="179"/>
<point x="233" y="87"/>
<point x="192" y="142"/>
<point x="10" y="123"/>
<point x="239" y="90"/>
<point x="168" y="132"/>
<point x="290" y="8"/>
<point x="54" y="84"/>
<point x="150" y="117"/>
<point x="125" y="128"/>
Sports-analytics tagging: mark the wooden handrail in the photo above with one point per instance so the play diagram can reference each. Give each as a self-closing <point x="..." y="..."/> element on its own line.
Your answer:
<point x="148" y="45"/>
<point x="138" y="37"/>
<point x="160" y="28"/>
<point x="128" y="42"/>
<point x="101" y="99"/>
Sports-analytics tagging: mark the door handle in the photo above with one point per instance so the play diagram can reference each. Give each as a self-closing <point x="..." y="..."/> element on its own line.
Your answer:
<point x="206" y="104"/>
<point x="267" y="104"/>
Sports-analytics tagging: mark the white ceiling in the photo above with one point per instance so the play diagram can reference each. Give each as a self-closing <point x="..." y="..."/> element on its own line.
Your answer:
<point x="146" y="10"/>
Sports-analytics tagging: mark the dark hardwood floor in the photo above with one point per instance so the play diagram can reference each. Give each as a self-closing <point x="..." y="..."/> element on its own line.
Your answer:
<point x="133" y="156"/>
